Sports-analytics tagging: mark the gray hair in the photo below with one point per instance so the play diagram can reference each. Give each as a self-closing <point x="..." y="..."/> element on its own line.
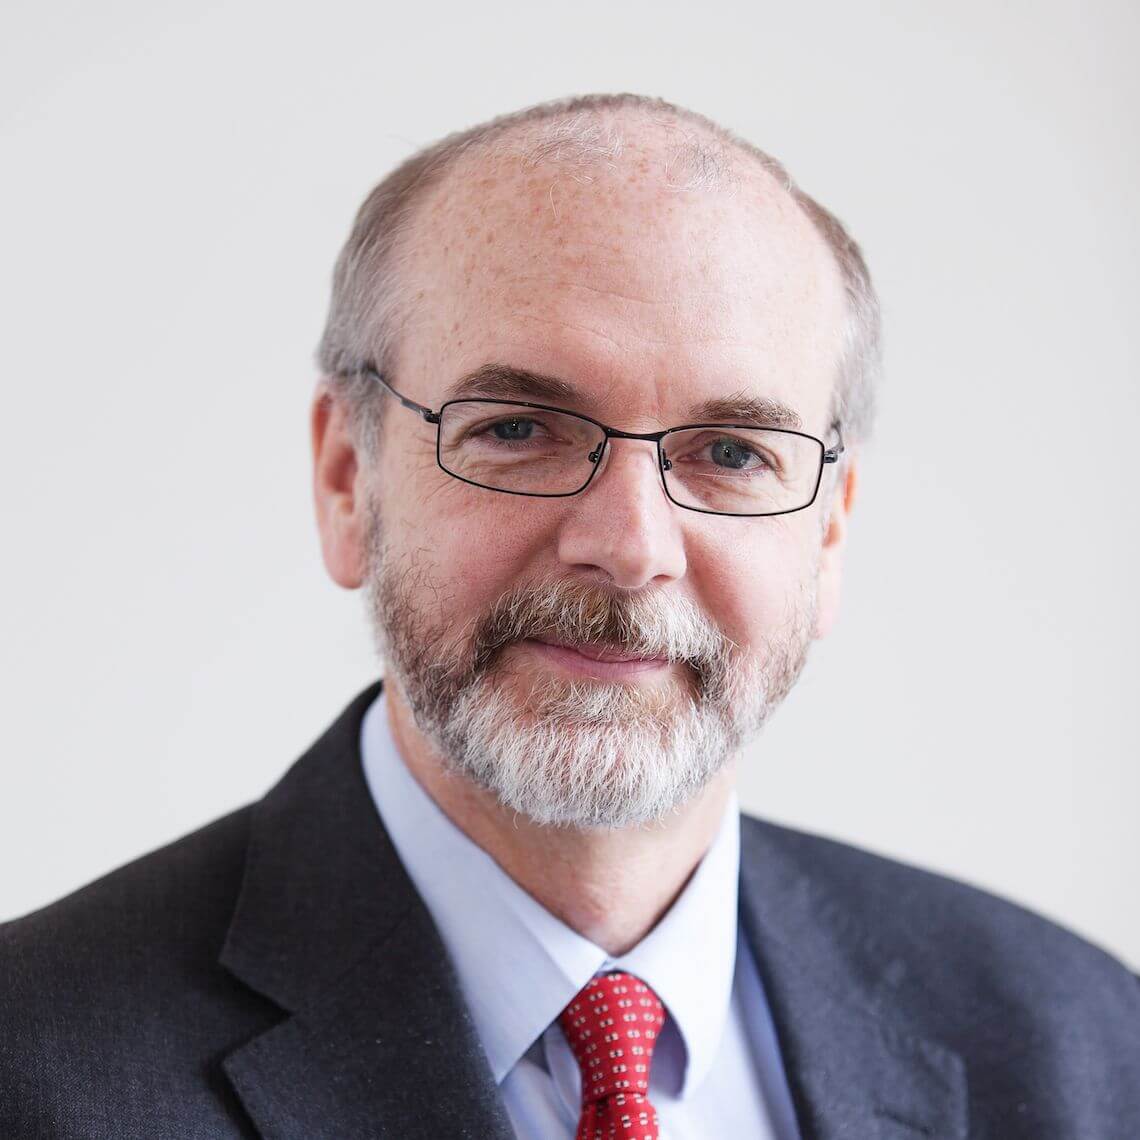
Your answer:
<point x="369" y="295"/>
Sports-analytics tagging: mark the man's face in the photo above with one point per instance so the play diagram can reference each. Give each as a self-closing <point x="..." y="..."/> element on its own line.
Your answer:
<point x="648" y="301"/>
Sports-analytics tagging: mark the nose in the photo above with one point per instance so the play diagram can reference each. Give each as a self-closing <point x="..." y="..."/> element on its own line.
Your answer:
<point x="623" y="524"/>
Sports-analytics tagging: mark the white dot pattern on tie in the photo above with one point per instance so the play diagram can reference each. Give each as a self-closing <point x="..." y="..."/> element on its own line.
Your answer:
<point x="612" y="1026"/>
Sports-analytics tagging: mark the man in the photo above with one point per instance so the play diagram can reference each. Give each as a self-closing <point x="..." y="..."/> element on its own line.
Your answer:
<point x="595" y="380"/>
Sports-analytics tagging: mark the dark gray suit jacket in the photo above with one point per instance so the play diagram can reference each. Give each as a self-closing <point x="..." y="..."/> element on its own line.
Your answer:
<point x="254" y="979"/>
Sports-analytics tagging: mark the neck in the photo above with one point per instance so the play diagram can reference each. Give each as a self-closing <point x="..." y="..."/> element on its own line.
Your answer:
<point x="570" y="871"/>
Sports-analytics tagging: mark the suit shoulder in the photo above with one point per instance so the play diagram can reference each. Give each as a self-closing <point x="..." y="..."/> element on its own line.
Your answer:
<point x="114" y="1007"/>
<point x="933" y="916"/>
<point x="173" y="902"/>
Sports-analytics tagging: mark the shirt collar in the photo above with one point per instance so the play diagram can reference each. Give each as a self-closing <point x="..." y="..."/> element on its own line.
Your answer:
<point x="519" y="965"/>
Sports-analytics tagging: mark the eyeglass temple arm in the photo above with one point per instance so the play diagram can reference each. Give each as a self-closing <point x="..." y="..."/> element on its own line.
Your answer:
<point x="427" y="413"/>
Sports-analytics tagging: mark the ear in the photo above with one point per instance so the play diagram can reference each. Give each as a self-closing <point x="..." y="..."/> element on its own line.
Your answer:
<point x="831" y="554"/>
<point x="338" y="490"/>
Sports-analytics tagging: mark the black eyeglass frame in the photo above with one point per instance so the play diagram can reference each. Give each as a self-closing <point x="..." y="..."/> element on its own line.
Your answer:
<point x="827" y="454"/>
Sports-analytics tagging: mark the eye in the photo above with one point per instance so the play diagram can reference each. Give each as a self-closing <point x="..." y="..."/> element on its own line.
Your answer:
<point x="512" y="429"/>
<point x="718" y="454"/>
<point x="734" y="454"/>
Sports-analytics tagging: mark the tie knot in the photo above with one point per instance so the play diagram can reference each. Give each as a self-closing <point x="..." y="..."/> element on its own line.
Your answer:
<point x="612" y="1025"/>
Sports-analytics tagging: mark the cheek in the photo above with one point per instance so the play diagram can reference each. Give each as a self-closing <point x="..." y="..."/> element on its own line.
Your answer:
<point x="752" y="584"/>
<point x="463" y="546"/>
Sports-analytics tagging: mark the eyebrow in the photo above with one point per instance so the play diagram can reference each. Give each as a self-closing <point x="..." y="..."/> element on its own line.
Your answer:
<point x="504" y="382"/>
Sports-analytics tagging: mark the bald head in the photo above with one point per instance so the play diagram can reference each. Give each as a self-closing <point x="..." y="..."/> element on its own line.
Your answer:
<point x="682" y="234"/>
<point x="592" y="271"/>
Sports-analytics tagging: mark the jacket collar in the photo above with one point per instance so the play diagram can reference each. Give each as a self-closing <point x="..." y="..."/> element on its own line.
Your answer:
<point x="329" y="927"/>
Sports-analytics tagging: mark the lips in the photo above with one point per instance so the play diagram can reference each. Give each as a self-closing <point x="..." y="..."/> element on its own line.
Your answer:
<point x="597" y="653"/>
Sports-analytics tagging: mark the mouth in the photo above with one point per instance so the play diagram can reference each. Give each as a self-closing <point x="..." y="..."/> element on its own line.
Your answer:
<point x="600" y="662"/>
<point x="599" y="652"/>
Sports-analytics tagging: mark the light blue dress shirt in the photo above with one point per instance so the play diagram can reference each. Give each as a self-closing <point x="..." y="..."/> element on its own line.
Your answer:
<point x="716" y="1071"/>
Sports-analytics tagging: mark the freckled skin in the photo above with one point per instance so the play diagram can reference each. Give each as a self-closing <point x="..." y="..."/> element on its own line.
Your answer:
<point x="651" y="299"/>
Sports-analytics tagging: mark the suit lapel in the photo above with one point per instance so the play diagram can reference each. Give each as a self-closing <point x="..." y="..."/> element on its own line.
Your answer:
<point x="376" y="1040"/>
<point x="854" y="1072"/>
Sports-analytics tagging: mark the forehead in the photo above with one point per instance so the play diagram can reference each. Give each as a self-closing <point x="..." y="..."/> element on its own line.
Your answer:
<point x="608" y="275"/>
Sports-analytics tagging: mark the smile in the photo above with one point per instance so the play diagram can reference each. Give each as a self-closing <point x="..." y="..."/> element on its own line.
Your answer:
<point x="595" y="661"/>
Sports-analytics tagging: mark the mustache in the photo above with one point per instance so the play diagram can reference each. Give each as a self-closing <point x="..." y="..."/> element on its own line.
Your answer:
<point x="646" y="625"/>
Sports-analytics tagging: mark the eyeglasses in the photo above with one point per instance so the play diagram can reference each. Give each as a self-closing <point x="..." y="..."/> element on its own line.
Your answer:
<point x="520" y="448"/>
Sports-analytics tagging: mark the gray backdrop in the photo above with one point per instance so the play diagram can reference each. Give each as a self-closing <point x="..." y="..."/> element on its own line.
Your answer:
<point x="178" y="180"/>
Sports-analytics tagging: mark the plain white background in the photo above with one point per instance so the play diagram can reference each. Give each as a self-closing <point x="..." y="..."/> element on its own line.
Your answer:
<point x="178" y="179"/>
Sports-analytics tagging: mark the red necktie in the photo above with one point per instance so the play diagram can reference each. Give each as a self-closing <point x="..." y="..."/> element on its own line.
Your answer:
<point x="612" y="1026"/>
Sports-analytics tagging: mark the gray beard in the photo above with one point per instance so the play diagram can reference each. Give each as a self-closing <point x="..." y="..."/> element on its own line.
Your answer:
<point x="570" y="753"/>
